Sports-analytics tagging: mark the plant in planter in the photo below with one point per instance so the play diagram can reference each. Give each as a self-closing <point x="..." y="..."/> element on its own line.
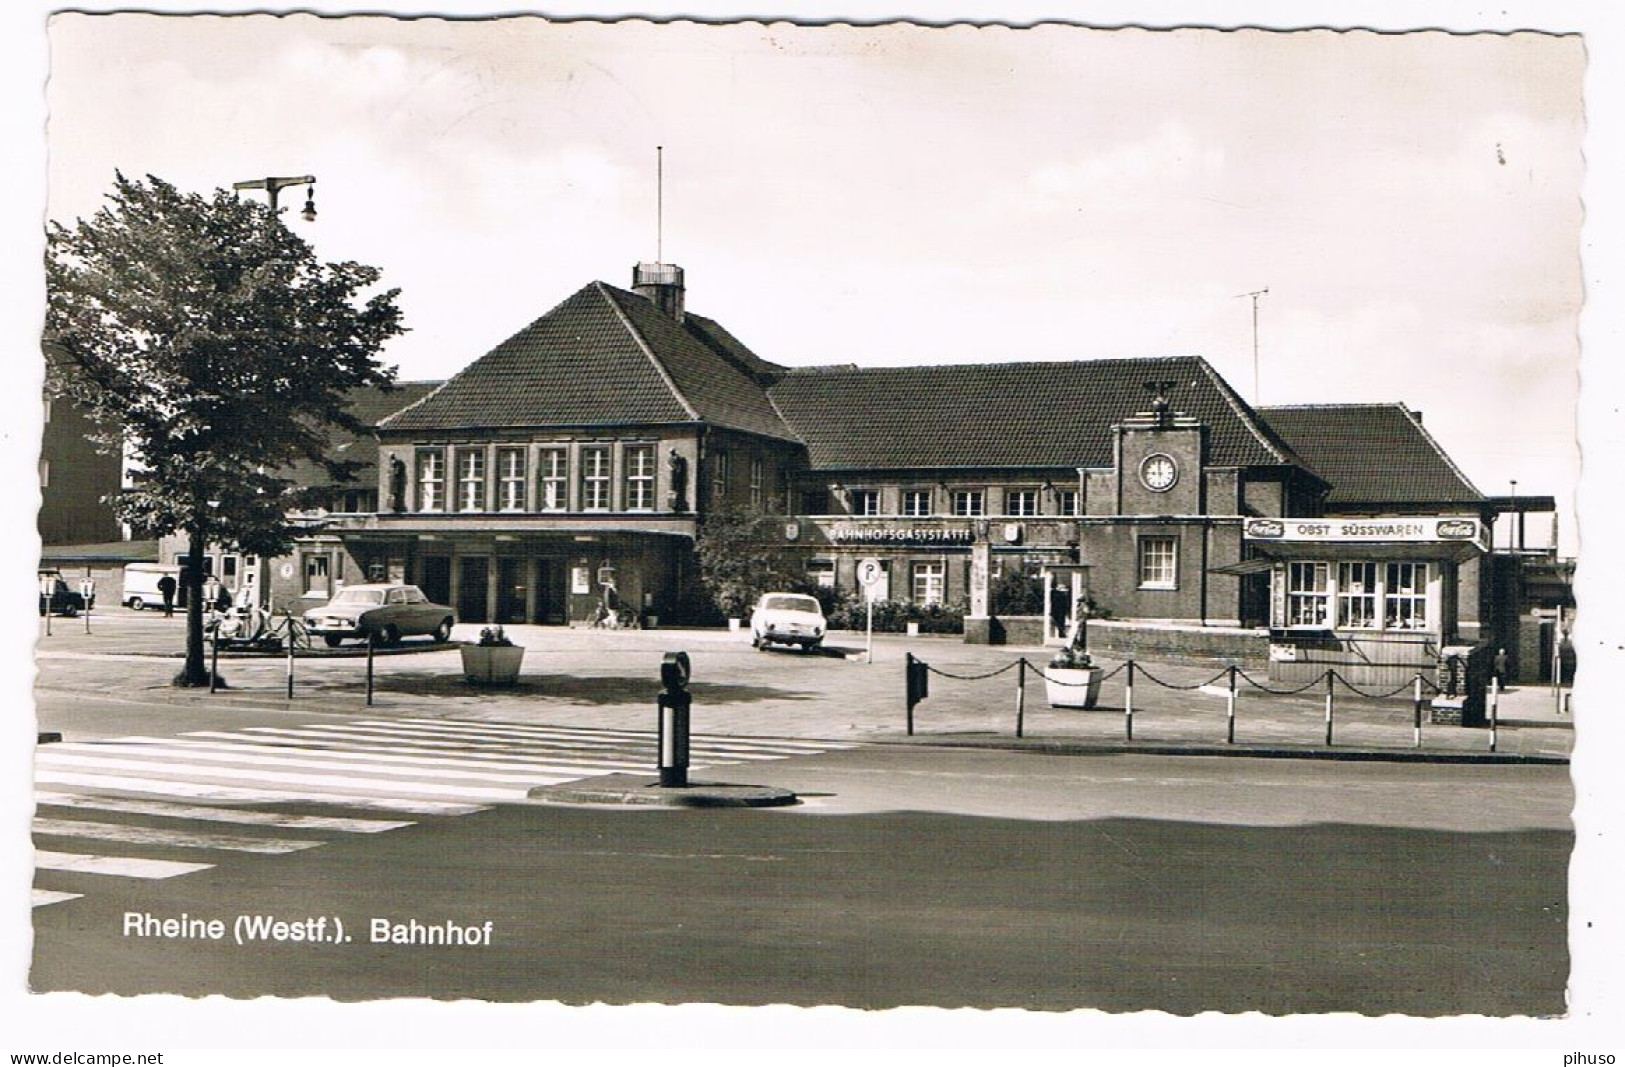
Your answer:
<point x="1072" y="680"/>
<point x="492" y="660"/>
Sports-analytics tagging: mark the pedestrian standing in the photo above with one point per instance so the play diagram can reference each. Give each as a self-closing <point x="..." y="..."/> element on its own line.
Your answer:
<point x="1500" y="668"/>
<point x="166" y="589"/>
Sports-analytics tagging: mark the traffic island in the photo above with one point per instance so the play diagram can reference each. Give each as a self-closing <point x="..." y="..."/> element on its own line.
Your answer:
<point x="630" y="790"/>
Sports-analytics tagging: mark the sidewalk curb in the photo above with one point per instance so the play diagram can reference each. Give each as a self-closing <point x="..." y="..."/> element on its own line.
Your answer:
<point x="624" y="790"/>
<point x="1053" y="747"/>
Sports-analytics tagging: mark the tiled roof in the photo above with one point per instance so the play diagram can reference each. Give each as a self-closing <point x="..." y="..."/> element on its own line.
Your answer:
<point x="602" y="357"/>
<point x="1373" y="454"/>
<point x="1007" y="415"/>
<point x="371" y="406"/>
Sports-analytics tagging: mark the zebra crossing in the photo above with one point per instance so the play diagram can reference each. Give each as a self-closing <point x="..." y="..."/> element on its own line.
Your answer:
<point x="212" y="792"/>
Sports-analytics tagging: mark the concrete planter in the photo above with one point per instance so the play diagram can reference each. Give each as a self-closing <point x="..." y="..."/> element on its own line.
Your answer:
<point x="1072" y="687"/>
<point x="492" y="664"/>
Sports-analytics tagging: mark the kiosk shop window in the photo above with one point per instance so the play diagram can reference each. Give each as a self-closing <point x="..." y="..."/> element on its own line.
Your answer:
<point x="553" y="472"/>
<point x="917" y="502"/>
<point x="969" y="502"/>
<point x="1405" y="598"/>
<point x="929" y="581"/>
<point x="471" y="479"/>
<point x="1021" y="502"/>
<point x="640" y="478"/>
<point x="866" y="501"/>
<point x="1308" y="594"/>
<point x="431" y="480"/>
<point x="1357" y="596"/>
<point x="595" y="479"/>
<point x="510" y="479"/>
<point x="1159" y="562"/>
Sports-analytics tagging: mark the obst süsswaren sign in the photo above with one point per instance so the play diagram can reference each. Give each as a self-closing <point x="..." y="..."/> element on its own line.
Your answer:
<point x="1407" y="528"/>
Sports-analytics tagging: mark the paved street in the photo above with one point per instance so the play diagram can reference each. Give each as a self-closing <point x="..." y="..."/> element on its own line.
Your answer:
<point x="911" y="873"/>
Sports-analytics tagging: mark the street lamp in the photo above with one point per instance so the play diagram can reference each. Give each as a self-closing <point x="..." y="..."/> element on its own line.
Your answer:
<point x="273" y="186"/>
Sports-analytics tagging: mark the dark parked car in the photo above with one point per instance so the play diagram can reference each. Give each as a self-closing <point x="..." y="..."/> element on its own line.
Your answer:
<point x="387" y="610"/>
<point x="63" y="600"/>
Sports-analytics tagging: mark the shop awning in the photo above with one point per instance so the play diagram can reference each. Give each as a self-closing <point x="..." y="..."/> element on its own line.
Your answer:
<point x="1403" y="551"/>
<point x="1246" y="566"/>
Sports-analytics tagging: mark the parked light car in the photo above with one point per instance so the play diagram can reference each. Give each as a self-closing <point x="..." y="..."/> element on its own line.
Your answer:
<point x="787" y="619"/>
<point x="389" y="611"/>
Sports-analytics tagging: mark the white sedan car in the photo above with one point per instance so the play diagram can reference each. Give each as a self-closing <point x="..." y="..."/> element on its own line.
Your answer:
<point x="787" y="619"/>
<point x="385" y="611"/>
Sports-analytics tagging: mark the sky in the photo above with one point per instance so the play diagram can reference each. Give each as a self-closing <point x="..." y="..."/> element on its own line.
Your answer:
<point x="1419" y="206"/>
<point x="909" y="195"/>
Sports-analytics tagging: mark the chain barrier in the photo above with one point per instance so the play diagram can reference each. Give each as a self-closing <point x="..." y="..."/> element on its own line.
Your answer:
<point x="1140" y="669"/>
<point x="1405" y="686"/>
<point x="974" y="677"/>
<point x="1318" y="680"/>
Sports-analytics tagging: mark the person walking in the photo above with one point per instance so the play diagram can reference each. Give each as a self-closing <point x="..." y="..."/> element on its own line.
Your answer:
<point x="166" y="589"/>
<point x="1499" y="668"/>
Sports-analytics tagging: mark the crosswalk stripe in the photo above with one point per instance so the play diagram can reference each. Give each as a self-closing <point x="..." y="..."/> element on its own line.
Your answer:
<point x="282" y="736"/>
<point x="150" y="835"/>
<point x="326" y="757"/>
<point x="361" y="775"/>
<point x="216" y="791"/>
<point x="43" y="897"/>
<point x="732" y="752"/>
<point x="164" y="809"/>
<point x="120" y="866"/>
<point x="762" y="744"/>
<point x="376" y="739"/>
<point x="339" y="784"/>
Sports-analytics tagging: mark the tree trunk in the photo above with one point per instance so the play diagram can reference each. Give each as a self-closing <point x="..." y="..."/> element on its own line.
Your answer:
<point x="196" y="670"/>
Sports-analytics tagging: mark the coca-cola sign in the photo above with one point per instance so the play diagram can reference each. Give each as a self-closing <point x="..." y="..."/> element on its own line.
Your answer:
<point x="1265" y="528"/>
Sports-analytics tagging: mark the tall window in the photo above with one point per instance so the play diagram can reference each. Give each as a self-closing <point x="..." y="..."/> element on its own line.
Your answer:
<point x="1357" y="595"/>
<point x="640" y="478"/>
<point x="1021" y="502"/>
<point x="866" y="501"/>
<point x="1406" y="601"/>
<point x="721" y="473"/>
<point x="1159" y="562"/>
<point x="431" y="480"/>
<point x="510" y="479"/>
<point x="1066" y="501"/>
<point x="917" y="502"/>
<point x="1307" y="594"/>
<point x="756" y="481"/>
<point x="968" y="502"/>
<point x="471" y="479"/>
<point x="554" y="472"/>
<point x="928" y="581"/>
<point x="318" y="575"/>
<point x="595" y="479"/>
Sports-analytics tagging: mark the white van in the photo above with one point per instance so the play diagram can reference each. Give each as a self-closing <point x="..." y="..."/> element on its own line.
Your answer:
<point x="141" y="584"/>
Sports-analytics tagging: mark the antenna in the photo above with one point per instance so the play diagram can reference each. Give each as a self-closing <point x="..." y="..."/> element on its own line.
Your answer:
<point x="660" y="203"/>
<point x="1258" y="396"/>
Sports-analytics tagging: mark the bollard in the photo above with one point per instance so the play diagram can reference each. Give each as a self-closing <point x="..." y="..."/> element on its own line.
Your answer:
<point x="214" y="662"/>
<point x="290" y="655"/>
<point x="1021" y="693"/>
<point x="1416" y="708"/>
<point x="1331" y="677"/>
<point x="1495" y="709"/>
<point x="916" y="685"/>
<point x="1230" y="709"/>
<point x="372" y="644"/>
<point x="1128" y="704"/>
<point x="673" y="706"/>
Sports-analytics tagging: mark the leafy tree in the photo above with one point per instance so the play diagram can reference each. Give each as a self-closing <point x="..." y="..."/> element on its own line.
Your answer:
<point x="742" y="555"/>
<point x="217" y="350"/>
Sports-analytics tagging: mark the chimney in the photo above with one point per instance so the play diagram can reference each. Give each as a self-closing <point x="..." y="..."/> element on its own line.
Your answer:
<point x="662" y="285"/>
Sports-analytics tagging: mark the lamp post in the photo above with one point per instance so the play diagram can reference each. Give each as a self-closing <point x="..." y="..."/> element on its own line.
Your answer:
<point x="273" y="186"/>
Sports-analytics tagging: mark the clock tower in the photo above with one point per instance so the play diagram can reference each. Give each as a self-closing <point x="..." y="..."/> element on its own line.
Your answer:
<point x="1159" y="455"/>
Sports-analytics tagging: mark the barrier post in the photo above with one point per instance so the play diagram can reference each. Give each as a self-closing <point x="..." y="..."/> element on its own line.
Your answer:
<point x="1230" y="708"/>
<point x="1128" y="703"/>
<point x="1021" y="693"/>
<point x="672" y="709"/>
<point x="1495" y="709"/>
<point x="1416" y="710"/>
<point x="1331" y="678"/>
<point x="916" y="685"/>
<point x="214" y="661"/>
<point x="372" y="643"/>
<point x="290" y="654"/>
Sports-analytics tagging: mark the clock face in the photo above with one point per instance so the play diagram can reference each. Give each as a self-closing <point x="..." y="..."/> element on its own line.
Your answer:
<point x="1159" y="472"/>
